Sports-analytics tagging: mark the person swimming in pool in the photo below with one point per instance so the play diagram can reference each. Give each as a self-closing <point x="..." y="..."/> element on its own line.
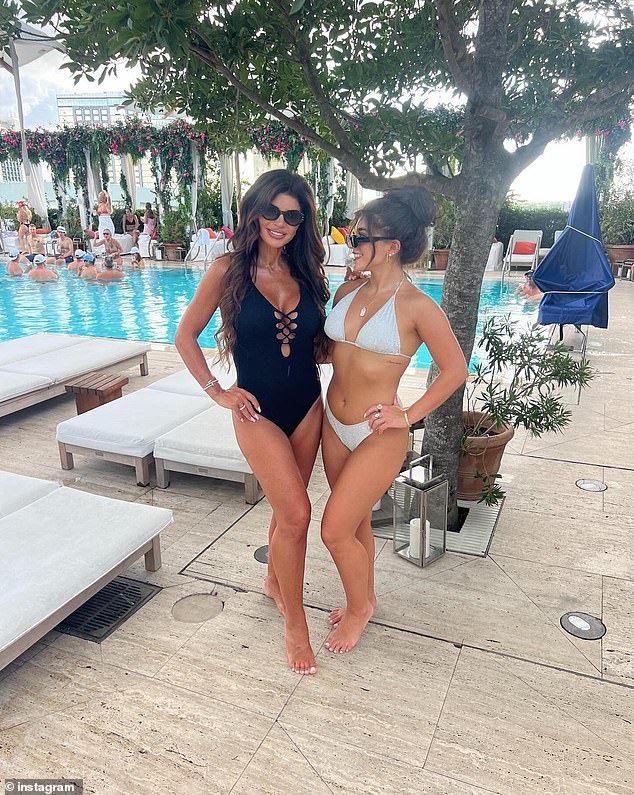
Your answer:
<point x="40" y="272"/>
<point x="376" y="328"/>
<point x="13" y="265"/>
<point x="271" y="290"/>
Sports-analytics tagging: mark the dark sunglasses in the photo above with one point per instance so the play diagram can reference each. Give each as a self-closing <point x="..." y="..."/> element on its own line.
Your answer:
<point x="292" y="217"/>
<point x="354" y="240"/>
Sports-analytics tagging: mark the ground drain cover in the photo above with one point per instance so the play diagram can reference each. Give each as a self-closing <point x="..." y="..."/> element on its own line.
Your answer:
<point x="261" y="554"/>
<point x="98" y="618"/>
<point x="583" y="625"/>
<point x="590" y="485"/>
<point x="197" y="608"/>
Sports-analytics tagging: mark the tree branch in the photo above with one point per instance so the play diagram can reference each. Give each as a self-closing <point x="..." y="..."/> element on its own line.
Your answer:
<point x="559" y="122"/>
<point x="458" y="59"/>
<point x="347" y="158"/>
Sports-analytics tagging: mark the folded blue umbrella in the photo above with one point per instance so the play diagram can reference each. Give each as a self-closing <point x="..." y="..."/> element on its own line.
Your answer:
<point x="575" y="275"/>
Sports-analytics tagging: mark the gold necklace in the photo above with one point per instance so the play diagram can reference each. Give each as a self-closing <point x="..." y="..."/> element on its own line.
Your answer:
<point x="364" y="308"/>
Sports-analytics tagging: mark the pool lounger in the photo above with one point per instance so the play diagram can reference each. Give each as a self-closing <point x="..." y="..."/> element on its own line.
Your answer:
<point x="124" y="430"/>
<point x="205" y="445"/>
<point x="48" y="361"/>
<point x="60" y="546"/>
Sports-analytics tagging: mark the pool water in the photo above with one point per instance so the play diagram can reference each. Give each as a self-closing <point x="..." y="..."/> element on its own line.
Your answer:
<point x="148" y="306"/>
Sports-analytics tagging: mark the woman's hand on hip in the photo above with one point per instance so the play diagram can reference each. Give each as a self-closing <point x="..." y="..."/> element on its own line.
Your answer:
<point x="243" y="404"/>
<point x="381" y="417"/>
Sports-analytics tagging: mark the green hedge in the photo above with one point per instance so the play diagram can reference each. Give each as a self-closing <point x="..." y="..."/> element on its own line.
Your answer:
<point x="515" y="216"/>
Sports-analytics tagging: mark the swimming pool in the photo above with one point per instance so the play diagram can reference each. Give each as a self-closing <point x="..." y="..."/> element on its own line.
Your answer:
<point x="148" y="306"/>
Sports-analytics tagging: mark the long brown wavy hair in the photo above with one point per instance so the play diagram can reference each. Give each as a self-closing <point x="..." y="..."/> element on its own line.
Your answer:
<point x="304" y="254"/>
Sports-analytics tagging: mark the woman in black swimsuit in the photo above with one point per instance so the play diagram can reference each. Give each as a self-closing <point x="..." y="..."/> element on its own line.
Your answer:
<point x="272" y="292"/>
<point x="130" y="224"/>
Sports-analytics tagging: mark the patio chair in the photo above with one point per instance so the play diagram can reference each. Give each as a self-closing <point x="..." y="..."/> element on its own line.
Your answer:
<point x="207" y="248"/>
<point x="523" y="249"/>
<point x="53" y="559"/>
<point x="36" y="368"/>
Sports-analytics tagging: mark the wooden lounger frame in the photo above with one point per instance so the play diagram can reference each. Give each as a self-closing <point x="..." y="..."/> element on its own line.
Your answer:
<point x="152" y="551"/>
<point x="251" y="486"/>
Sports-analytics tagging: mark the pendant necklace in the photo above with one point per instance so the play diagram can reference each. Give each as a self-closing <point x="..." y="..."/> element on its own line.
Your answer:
<point x="364" y="308"/>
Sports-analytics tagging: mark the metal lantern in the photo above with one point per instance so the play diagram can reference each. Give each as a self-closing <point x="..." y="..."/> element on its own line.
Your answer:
<point x="420" y="513"/>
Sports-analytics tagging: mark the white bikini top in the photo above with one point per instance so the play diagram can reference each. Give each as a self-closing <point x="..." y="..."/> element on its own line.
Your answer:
<point x="379" y="334"/>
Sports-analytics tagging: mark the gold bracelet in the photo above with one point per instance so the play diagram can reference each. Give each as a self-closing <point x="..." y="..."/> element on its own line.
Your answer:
<point x="406" y="418"/>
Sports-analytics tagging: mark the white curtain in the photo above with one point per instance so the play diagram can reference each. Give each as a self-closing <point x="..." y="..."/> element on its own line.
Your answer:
<point x="34" y="185"/>
<point x="195" y="182"/>
<point x="35" y="192"/>
<point x="227" y="180"/>
<point x="90" y="177"/>
<point x="353" y="194"/>
<point x="83" y="219"/>
<point x="127" y="169"/>
<point x="594" y="145"/>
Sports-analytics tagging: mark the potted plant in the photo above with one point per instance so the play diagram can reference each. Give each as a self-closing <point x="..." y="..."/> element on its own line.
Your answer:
<point x="517" y="385"/>
<point x="443" y="231"/>
<point x="174" y="233"/>
<point x="617" y="226"/>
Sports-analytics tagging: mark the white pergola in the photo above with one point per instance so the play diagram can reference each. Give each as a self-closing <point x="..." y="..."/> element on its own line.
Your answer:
<point x="26" y="46"/>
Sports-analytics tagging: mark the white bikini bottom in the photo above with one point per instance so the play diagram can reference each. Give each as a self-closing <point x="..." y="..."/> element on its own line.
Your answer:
<point x="350" y="435"/>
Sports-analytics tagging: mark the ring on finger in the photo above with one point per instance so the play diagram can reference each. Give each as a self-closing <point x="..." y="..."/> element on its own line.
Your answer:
<point x="379" y="406"/>
<point x="242" y="407"/>
<point x="377" y="414"/>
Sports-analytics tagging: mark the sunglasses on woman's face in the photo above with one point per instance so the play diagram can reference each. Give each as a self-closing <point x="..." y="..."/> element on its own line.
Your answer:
<point x="292" y="217"/>
<point x="355" y="240"/>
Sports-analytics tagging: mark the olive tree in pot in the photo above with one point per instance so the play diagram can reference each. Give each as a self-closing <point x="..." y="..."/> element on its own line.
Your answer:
<point x="517" y="385"/>
<point x="617" y="226"/>
<point x="174" y="233"/>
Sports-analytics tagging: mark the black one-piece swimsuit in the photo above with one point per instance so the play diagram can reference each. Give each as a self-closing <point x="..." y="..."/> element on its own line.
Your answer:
<point x="274" y="356"/>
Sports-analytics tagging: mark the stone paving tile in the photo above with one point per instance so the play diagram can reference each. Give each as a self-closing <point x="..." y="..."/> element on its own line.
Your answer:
<point x="239" y="656"/>
<point x="517" y="727"/>
<point x="291" y="761"/>
<point x="595" y="542"/>
<point x="618" y="642"/>
<point x="384" y="697"/>
<point x="148" y="737"/>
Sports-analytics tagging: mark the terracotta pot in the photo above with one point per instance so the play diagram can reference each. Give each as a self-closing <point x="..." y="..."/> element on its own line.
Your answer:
<point x="441" y="258"/>
<point x="171" y="251"/>
<point x="618" y="254"/>
<point x="483" y="457"/>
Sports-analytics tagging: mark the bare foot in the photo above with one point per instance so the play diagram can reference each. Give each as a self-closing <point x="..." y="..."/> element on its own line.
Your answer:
<point x="301" y="657"/>
<point x="272" y="590"/>
<point x="346" y="634"/>
<point x="335" y="616"/>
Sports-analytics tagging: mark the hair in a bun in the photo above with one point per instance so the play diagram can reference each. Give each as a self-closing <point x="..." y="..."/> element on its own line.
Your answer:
<point x="403" y="214"/>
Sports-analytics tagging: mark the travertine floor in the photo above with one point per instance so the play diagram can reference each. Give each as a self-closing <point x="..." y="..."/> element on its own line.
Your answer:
<point x="463" y="683"/>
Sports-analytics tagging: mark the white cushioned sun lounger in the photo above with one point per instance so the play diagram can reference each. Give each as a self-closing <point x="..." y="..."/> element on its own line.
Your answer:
<point x="16" y="491"/>
<point x="58" y="365"/>
<point x="34" y="345"/>
<point x="81" y="542"/>
<point x="205" y="445"/>
<point x="184" y="383"/>
<point x="125" y="429"/>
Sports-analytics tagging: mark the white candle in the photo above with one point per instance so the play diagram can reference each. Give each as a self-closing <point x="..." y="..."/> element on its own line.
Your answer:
<point x="414" y="539"/>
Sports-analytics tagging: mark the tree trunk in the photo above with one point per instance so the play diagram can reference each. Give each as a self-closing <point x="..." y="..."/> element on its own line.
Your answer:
<point x="477" y="211"/>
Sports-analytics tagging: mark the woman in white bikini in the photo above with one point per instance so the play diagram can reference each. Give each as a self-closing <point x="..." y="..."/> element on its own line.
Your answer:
<point x="104" y="213"/>
<point x="375" y="330"/>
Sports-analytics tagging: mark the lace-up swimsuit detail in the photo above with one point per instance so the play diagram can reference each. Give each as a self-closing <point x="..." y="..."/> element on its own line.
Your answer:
<point x="275" y="357"/>
<point x="379" y="335"/>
